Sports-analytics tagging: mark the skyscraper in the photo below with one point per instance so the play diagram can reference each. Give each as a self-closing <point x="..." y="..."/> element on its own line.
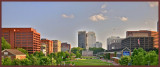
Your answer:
<point x="91" y="39"/>
<point x="82" y="40"/>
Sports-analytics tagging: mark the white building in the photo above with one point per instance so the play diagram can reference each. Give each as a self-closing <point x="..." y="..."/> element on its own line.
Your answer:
<point x="113" y="40"/>
<point x="98" y="45"/>
<point x="91" y="39"/>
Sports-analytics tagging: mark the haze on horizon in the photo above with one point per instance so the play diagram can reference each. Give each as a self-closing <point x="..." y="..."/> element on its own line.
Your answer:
<point x="62" y="20"/>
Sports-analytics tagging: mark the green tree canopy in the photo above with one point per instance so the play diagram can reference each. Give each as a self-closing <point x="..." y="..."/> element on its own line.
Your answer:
<point x="5" y="44"/>
<point x="125" y="60"/>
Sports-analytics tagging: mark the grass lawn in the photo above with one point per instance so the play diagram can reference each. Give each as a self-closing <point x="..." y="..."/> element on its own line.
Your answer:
<point x="90" y="62"/>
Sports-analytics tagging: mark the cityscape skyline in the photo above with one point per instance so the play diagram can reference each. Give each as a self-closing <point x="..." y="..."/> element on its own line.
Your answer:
<point x="64" y="25"/>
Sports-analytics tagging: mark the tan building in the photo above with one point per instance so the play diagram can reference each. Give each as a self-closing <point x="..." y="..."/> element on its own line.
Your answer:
<point x="13" y="54"/>
<point x="56" y="46"/>
<point x="144" y="33"/>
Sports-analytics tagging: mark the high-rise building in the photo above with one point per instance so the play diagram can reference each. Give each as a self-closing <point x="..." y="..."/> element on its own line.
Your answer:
<point x="56" y="46"/>
<point x="113" y="41"/>
<point x="26" y="38"/>
<point x="144" y="33"/>
<point x="138" y="42"/>
<point x="49" y="45"/>
<point x="65" y="47"/>
<point x="98" y="45"/>
<point x="82" y="40"/>
<point x="91" y="39"/>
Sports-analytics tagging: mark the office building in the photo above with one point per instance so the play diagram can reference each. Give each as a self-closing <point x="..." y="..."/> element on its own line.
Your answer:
<point x="145" y="33"/>
<point x="82" y="39"/>
<point x="56" y="46"/>
<point x="65" y="47"/>
<point x="114" y="42"/>
<point x="49" y="45"/>
<point x="138" y="42"/>
<point x="98" y="45"/>
<point x="26" y="38"/>
<point x="91" y="39"/>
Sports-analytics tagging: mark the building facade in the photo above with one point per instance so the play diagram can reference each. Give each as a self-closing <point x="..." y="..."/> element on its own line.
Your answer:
<point x="56" y="46"/>
<point x="138" y="42"/>
<point x="145" y="33"/>
<point x="65" y="47"/>
<point x="49" y="45"/>
<point x="91" y="39"/>
<point x="112" y="41"/>
<point x="98" y="45"/>
<point x="82" y="40"/>
<point x="13" y="54"/>
<point x="43" y="48"/>
<point x="26" y="38"/>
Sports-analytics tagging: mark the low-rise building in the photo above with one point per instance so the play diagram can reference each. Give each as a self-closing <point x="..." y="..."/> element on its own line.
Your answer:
<point x="65" y="47"/>
<point x="13" y="54"/>
<point x="98" y="45"/>
<point x="49" y="45"/>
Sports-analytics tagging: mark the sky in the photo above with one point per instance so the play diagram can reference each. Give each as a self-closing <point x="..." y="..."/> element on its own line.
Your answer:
<point x="62" y="20"/>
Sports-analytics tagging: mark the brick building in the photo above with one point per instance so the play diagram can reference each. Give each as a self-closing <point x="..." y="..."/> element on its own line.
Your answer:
<point x="56" y="46"/>
<point x="65" y="47"/>
<point x="26" y="38"/>
<point x="13" y="54"/>
<point x="49" y="45"/>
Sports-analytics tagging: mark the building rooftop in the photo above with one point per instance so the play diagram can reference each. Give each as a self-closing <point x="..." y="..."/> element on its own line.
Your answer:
<point x="14" y="51"/>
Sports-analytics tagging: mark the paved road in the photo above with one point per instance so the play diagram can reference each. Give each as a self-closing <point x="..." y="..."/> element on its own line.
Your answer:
<point x="110" y="61"/>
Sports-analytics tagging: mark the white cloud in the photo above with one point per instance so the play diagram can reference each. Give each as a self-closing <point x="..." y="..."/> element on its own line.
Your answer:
<point x="97" y="17"/>
<point x="104" y="11"/>
<point x="67" y="16"/>
<point x="123" y="18"/>
<point x="103" y="6"/>
<point x="153" y="4"/>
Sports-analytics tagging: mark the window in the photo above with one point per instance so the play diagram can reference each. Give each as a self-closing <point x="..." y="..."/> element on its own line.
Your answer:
<point x="5" y="53"/>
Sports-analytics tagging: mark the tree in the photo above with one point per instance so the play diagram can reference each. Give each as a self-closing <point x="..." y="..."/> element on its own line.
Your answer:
<point x="75" y="49"/>
<point x="125" y="60"/>
<point x="78" y="55"/>
<point x="108" y="56"/>
<point x="115" y="54"/>
<point x="138" y="59"/>
<point x="138" y="56"/>
<point x="23" y="50"/>
<point x="96" y="50"/>
<point x="45" y="61"/>
<point x="16" y="62"/>
<point x="26" y="62"/>
<point x="7" y="61"/>
<point x="151" y="58"/>
<point x="5" y="44"/>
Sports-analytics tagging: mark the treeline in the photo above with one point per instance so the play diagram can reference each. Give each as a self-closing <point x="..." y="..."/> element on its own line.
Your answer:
<point x="140" y="57"/>
<point x="38" y="58"/>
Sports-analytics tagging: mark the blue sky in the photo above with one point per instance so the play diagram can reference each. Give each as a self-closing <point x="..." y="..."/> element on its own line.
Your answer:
<point x="62" y="20"/>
